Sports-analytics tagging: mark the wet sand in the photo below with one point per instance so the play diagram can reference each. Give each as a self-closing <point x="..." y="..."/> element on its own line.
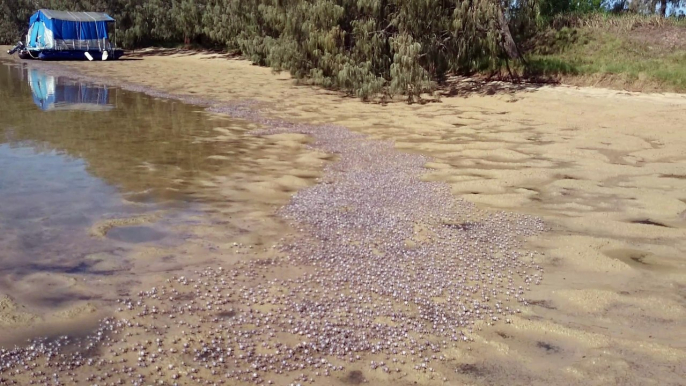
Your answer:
<point x="603" y="169"/>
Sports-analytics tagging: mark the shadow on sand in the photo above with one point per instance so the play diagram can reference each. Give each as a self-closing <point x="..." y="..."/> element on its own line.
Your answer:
<point x="161" y="51"/>
<point x="458" y="86"/>
<point x="453" y="86"/>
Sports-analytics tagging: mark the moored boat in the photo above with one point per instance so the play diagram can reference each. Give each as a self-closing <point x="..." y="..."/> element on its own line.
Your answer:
<point x="63" y="35"/>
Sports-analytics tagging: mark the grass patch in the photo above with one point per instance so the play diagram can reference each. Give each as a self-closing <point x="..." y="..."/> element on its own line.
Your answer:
<point x="549" y="66"/>
<point x="630" y="52"/>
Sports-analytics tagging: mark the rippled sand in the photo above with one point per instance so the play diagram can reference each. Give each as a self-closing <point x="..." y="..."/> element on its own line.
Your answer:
<point x="604" y="169"/>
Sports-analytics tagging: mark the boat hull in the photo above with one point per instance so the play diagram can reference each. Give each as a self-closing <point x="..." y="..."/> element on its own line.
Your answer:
<point x="70" y="55"/>
<point x="24" y="54"/>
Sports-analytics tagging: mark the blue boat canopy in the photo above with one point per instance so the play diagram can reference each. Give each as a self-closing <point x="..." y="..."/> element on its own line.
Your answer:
<point x="63" y="30"/>
<point x="74" y="16"/>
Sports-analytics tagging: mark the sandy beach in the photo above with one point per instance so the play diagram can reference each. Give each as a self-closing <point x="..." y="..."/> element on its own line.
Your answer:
<point x="604" y="170"/>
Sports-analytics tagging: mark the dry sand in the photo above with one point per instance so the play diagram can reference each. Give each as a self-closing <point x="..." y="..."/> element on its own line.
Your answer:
<point x="605" y="169"/>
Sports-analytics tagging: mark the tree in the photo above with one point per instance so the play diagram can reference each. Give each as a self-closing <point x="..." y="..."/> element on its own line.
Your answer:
<point x="186" y="17"/>
<point x="658" y="7"/>
<point x="362" y="47"/>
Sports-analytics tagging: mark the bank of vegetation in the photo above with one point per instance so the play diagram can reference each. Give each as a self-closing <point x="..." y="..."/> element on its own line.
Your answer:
<point x="389" y="47"/>
<point x="629" y="52"/>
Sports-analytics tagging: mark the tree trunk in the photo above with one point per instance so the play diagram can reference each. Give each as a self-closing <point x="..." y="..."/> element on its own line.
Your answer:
<point x="506" y="41"/>
<point x="653" y="6"/>
<point x="663" y="8"/>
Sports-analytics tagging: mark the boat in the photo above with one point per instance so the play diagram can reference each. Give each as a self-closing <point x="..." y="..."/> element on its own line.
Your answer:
<point x="65" y="35"/>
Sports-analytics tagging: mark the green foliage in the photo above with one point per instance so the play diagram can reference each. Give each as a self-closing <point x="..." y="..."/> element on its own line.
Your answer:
<point x="551" y="8"/>
<point x="550" y="66"/>
<point x="186" y="16"/>
<point x="362" y="47"/>
<point x="14" y="16"/>
<point x="407" y="75"/>
<point x="638" y="52"/>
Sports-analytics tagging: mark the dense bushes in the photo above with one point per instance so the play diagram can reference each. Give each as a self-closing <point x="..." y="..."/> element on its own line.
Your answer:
<point x="363" y="47"/>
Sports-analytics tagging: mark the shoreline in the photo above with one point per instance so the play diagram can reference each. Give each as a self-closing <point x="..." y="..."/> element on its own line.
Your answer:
<point x="573" y="250"/>
<point x="402" y="167"/>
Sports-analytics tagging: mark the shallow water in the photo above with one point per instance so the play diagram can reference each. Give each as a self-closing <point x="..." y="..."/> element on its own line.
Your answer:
<point x="104" y="186"/>
<point x="75" y="154"/>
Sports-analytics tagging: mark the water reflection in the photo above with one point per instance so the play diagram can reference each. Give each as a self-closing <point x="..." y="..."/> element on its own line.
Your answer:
<point x="58" y="93"/>
<point x="94" y="203"/>
<point x="148" y="149"/>
<point x="66" y="169"/>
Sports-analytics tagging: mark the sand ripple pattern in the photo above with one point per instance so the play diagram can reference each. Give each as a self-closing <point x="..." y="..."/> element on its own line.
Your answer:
<point x="396" y="257"/>
<point x="383" y="273"/>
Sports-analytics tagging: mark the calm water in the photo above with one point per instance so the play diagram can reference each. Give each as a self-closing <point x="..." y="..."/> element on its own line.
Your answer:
<point x="75" y="155"/>
<point x="105" y="192"/>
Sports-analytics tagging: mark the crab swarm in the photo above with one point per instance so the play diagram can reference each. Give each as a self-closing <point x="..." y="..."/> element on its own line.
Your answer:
<point x="383" y="273"/>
